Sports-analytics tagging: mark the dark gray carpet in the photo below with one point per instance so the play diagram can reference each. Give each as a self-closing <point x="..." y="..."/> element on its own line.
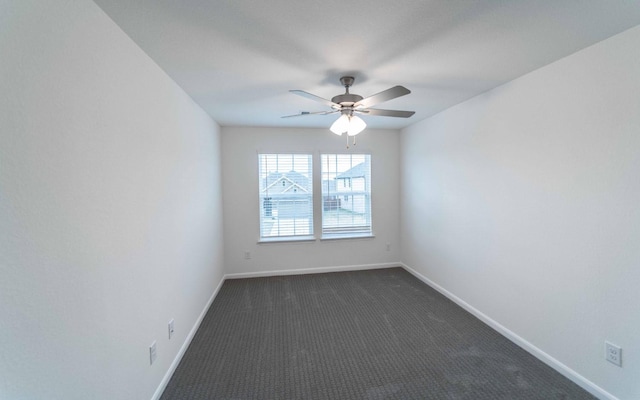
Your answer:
<point x="378" y="334"/>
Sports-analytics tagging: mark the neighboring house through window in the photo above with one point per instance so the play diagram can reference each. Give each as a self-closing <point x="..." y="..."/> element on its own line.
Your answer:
<point x="346" y="193"/>
<point x="286" y="196"/>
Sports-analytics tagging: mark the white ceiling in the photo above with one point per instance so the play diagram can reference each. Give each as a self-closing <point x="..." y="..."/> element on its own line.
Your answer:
<point x="239" y="58"/>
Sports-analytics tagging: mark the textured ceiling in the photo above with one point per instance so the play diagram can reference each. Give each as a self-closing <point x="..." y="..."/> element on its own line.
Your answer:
<point x="239" y="58"/>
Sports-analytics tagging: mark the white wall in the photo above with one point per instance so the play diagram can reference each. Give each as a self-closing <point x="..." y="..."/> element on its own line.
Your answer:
<point x="110" y="221"/>
<point x="524" y="203"/>
<point x="240" y="148"/>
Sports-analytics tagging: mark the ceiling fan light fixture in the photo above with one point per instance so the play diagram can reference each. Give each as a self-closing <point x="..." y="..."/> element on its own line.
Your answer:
<point x="356" y="125"/>
<point x="349" y="124"/>
<point x="341" y="125"/>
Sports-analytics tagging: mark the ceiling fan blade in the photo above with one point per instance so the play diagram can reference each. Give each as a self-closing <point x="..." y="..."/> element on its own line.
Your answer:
<point x="385" y="95"/>
<point x="310" y="113"/>
<point x="315" y="98"/>
<point x="387" y="113"/>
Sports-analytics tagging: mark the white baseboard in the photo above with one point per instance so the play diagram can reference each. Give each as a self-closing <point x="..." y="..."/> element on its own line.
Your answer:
<point x="318" y="270"/>
<point x="530" y="348"/>
<point x="185" y="345"/>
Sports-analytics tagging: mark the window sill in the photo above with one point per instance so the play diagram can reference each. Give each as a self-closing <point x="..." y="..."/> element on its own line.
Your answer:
<point x="348" y="236"/>
<point x="289" y="239"/>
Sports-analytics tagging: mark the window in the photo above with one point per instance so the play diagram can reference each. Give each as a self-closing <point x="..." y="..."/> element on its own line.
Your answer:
<point x="346" y="195"/>
<point x="286" y="198"/>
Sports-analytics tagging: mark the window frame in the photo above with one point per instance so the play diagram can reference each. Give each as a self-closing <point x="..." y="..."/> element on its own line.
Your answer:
<point x="310" y="234"/>
<point x="317" y="200"/>
<point x="347" y="232"/>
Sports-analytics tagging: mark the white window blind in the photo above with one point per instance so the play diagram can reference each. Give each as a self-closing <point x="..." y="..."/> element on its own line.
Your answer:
<point x="346" y="194"/>
<point x="286" y="197"/>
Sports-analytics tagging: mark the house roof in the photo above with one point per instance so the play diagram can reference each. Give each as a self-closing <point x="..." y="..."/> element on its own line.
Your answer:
<point x="239" y="59"/>
<point x="358" y="171"/>
<point x="293" y="181"/>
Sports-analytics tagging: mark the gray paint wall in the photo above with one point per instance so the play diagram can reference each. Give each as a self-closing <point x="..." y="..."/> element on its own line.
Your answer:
<point x="523" y="203"/>
<point x="110" y="207"/>
<point x="240" y="149"/>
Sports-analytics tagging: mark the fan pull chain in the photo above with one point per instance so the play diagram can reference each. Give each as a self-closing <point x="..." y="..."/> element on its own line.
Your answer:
<point x="354" y="140"/>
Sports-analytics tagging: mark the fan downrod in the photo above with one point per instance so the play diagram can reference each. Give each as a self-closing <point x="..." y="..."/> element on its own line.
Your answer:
<point x="347" y="99"/>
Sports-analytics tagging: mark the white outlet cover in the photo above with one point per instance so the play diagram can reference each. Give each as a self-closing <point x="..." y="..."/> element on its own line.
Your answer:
<point x="613" y="353"/>
<point x="171" y="329"/>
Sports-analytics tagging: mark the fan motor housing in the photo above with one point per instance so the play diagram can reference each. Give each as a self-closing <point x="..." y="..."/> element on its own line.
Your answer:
<point x="346" y="99"/>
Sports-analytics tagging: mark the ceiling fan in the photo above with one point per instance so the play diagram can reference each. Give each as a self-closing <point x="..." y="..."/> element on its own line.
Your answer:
<point x="349" y="105"/>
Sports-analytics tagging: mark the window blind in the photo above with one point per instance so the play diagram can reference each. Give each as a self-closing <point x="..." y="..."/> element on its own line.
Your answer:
<point x="286" y="195"/>
<point x="346" y="194"/>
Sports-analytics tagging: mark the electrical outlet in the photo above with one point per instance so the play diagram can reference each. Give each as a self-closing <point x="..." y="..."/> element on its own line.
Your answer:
<point x="247" y="255"/>
<point x="613" y="353"/>
<point x="152" y="353"/>
<point x="170" y="329"/>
